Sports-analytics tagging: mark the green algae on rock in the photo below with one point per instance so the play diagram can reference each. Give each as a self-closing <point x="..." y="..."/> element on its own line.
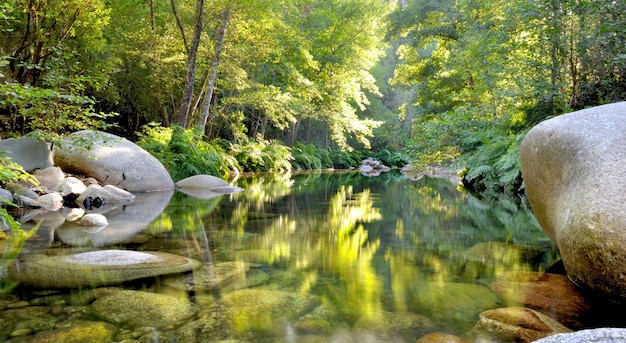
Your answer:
<point x="137" y="309"/>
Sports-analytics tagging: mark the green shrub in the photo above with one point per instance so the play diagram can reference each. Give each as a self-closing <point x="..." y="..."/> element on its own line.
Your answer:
<point x="306" y="157"/>
<point x="50" y="112"/>
<point x="491" y="160"/>
<point x="262" y="155"/>
<point x="184" y="152"/>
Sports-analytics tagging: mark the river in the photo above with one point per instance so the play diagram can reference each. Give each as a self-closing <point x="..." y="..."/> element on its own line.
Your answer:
<point x="326" y="256"/>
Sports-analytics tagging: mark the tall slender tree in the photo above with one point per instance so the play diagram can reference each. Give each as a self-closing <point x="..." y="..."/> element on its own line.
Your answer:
<point x="192" y="56"/>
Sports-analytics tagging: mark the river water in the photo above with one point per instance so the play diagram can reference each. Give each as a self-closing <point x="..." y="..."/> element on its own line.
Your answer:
<point x="306" y="257"/>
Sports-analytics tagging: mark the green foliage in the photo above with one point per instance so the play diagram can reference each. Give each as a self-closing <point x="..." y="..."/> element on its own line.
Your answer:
<point x="262" y="155"/>
<point x="11" y="171"/>
<point x="312" y="157"/>
<point x="305" y="157"/>
<point x="184" y="153"/>
<point x="491" y="160"/>
<point x="51" y="112"/>
<point x="343" y="159"/>
<point x="389" y="158"/>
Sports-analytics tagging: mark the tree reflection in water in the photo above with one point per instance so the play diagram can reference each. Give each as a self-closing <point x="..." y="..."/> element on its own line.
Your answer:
<point x="363" y="244"/>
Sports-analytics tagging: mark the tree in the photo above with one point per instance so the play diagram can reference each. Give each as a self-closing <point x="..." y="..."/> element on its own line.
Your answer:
<point x="192" y="55"/>
<point x="50" y="35"/>
<point x="215" y="62"/>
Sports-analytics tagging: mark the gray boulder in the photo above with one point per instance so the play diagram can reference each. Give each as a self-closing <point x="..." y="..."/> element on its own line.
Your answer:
<point x="70" y="185"/>
<point x="28" y="153"/>
<point x="49" y="177"/>
<point x="601" y="335"/>
<point x="573" y="169"/>
<point x="205" y="186"/>
<point x="112" y="160"/>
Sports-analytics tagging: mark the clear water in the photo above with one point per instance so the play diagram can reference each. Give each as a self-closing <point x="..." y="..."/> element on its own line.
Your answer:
<point x="318" y="255"/>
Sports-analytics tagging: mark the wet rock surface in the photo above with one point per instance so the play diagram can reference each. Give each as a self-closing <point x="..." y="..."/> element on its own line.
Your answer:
<point x="573" y="172"/>
<point x="112" y="160"/>
<point x="132" y="309"/>
<point x="515" y="324"/>
<point x="387" y="326"/>
<point x="100" y="267"/>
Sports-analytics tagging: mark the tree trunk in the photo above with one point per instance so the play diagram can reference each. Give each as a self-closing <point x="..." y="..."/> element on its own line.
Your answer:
<point x="214" y="66"/>
<point x="185" y="105"/>
<point x="152" y="19"/>
<point x="180" y="25"/>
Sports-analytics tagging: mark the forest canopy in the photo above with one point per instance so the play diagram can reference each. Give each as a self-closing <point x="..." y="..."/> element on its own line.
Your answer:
<point x="439" y="81"/>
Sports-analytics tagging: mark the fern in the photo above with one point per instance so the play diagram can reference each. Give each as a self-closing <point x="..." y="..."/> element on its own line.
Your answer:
<point x="262" y="155"/>
<point x="184" y="152"/>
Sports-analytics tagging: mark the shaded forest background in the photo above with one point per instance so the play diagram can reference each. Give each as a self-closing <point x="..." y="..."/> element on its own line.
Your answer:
<point x="271" y="85"/>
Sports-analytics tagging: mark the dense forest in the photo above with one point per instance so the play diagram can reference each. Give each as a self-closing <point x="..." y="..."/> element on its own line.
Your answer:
<point x="213" y="86"/>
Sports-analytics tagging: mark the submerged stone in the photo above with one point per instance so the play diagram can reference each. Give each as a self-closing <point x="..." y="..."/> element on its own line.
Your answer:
<point x="264" y="310"/>
<point x="78" y="332"/>
<point x="454" y="304"/>
<point x="393" y="326"/>
<point x="209" y="277"/>
<point x="133" y="309"/>
<point x="104" y="267"/>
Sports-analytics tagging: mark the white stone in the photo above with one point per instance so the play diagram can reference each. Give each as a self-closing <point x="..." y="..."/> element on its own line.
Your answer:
<point x="70" y="185"/>
<point x="94" y="220"/>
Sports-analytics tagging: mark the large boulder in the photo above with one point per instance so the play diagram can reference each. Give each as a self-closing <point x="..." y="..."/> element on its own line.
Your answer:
<point x="28" y="153"/>
<point x="573" y="169"/>
<point x="112" y="160"/>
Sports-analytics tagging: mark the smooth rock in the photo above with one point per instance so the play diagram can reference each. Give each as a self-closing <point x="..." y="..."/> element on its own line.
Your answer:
<point x="552" y="294"/>
<point x="50" y="201"/>
<point x="264" y="310"/>
<point x="6" y="194"/>
<point x="393" y="326"/>
<point x="515" y="324"/>
<point x="438" y="337"/>
<point x="28" y="153"/>
<point x="601" y="335"/>
<point x="94" y="220"/>
<point x="201" y="181"/>
<point x="78" y="332"/>
<point x="72" y="214"/>
<point x="102" y="267"/>
<point x="70" y="185"/>
<point x="205" y="186"/>
<point x="574" y="175"/>
<point x="112" y="160"/>
<point x="49" y="177"/>
<point x="132" y="309"/>
<point x="209" y="277"/>
<point x="21" y="190"/>
<point x="107" y="194"/>
<point x="452" y="304"/>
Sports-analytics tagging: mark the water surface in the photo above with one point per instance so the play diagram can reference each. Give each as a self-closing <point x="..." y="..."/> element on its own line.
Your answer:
<point x="322" y="256"/>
